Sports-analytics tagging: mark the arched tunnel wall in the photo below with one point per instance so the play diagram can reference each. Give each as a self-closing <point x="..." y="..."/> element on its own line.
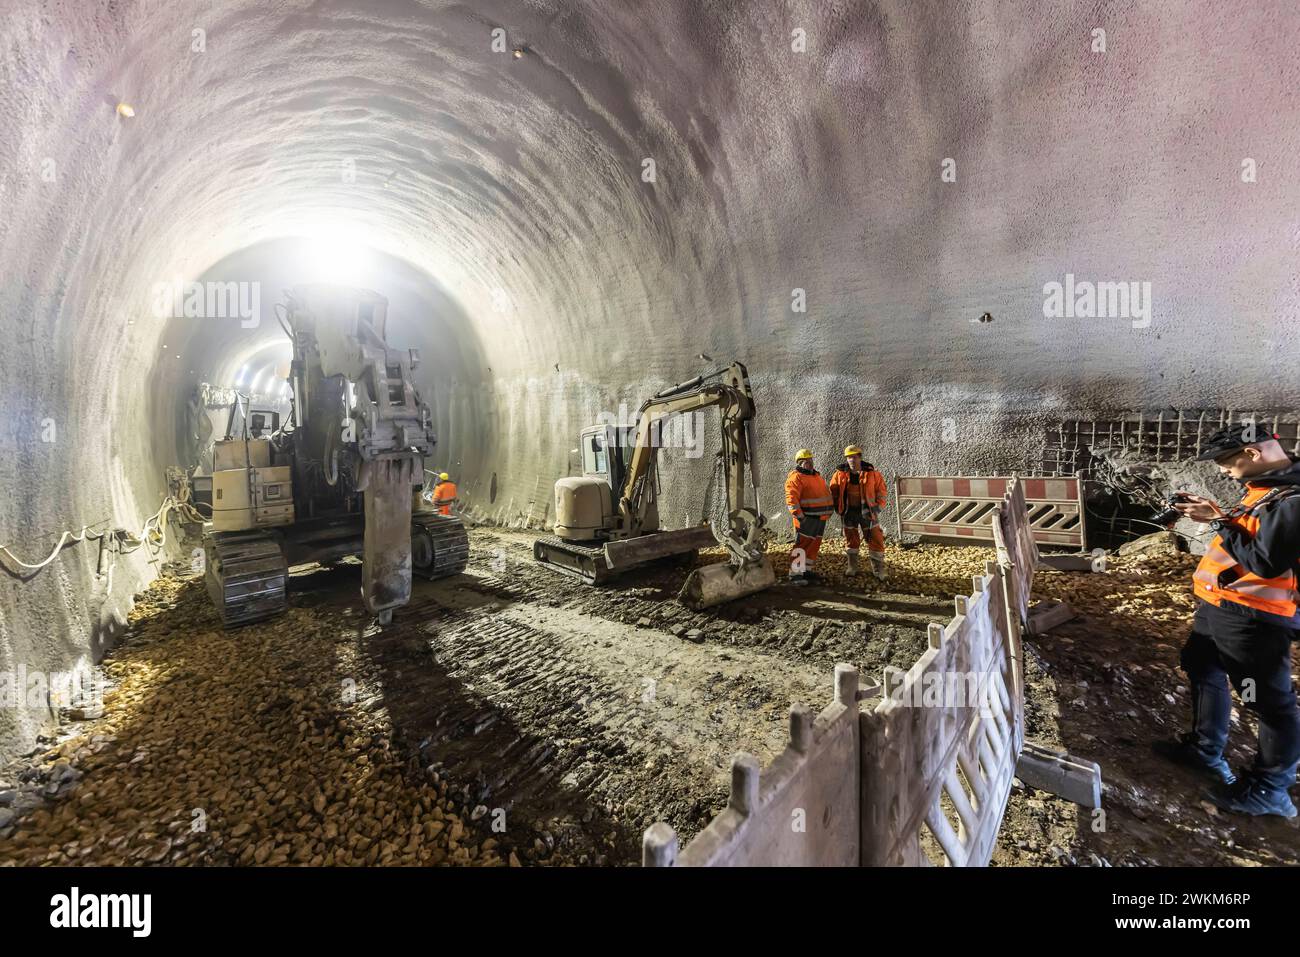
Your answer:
<point x="800" y="149"/>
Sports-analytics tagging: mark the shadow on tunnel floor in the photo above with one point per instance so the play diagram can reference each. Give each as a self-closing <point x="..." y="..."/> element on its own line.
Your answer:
<point x="269" y="744"/>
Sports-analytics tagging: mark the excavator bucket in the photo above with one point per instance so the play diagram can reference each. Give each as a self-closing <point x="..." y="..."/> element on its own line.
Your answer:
<point x="717" y="584"/>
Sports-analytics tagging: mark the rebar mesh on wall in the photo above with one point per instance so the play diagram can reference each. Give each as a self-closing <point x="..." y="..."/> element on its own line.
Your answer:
<point x="1167" y="436"/>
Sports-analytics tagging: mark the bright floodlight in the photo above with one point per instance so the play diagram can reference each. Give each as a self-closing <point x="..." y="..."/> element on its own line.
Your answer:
<point x="335" y="259"/>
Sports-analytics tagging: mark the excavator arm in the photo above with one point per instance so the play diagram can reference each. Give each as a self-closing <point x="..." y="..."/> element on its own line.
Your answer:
<point x="747" y="569"/>
<point x="390" y="432"/>
<point x="729" y="390"/>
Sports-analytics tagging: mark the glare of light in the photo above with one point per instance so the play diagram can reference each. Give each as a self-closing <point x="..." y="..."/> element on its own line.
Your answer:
<point x="243" y="375"/>
<point x="335" y="258"/>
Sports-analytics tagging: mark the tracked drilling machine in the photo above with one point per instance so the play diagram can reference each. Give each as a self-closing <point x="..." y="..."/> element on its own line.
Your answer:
<point x="341" y="478"/>
<point x="607" y="520"/>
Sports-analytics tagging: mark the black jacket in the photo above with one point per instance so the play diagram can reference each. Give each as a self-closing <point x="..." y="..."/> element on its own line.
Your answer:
<point x="1275" y="547"/>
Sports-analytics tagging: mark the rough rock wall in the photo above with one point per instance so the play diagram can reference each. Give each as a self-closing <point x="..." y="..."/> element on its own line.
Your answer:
<point x="516" y="177"/>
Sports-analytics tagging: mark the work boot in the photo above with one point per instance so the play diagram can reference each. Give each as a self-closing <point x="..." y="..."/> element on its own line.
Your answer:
<point x="878" y="566"/>
<point x="852" y="554"/>
<point x="812" y="577"/>
<point x="798" y="578"/>
<point x="1183" y="751"/>
<point x="1254" y="797"/>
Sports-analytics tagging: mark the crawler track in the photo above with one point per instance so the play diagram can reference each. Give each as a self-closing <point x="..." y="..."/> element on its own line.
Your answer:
<point x="245" y="573"/>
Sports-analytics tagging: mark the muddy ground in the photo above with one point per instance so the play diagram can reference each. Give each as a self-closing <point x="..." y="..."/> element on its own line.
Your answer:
<point x="515" y="716"/>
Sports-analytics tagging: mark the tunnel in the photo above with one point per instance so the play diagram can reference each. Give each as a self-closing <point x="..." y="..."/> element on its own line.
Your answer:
<point x="571" y="205"/>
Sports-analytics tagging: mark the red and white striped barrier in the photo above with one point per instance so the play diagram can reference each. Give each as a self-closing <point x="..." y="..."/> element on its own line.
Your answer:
<point x="961" y="507"/>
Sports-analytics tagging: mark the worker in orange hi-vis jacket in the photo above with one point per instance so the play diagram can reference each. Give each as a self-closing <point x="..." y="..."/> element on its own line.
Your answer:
<point x="444" y="494"/>
<point x="809" y="499"/>
<point x="859" y="494"/>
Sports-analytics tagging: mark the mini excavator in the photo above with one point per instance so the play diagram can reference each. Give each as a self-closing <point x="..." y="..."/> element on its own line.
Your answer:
<point x="341" y="478"/>
<point x="607" y="519"/>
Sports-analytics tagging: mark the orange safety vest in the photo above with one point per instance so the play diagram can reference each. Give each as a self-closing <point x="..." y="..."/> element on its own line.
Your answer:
<point x="1219" y="578"/>
<point x="807" y="493"/>
<point x="868" y="490"/>
<point x="444" y="495"/>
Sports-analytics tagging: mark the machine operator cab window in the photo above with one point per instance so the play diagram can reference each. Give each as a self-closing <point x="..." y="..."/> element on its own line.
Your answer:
<point x="605" y="452"/>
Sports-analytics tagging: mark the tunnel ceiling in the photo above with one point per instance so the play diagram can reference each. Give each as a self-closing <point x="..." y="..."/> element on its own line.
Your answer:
<point x="904" y="167"/>
<point x="510" y="165"/>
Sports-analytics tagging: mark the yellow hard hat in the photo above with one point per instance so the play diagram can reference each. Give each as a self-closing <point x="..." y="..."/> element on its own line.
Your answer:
<point x="852" y="450"/>
<point x="444" y="476"/>
<point x="803" y="454"/>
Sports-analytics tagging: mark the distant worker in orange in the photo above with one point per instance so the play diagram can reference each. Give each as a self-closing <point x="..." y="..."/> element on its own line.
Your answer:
<point x="859" y="493"/>
<point x="809" y="500"/>
<point x="444" y="494"/>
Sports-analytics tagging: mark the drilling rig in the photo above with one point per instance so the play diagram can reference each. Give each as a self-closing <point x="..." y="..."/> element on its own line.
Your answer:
<point x="340" y="478"/>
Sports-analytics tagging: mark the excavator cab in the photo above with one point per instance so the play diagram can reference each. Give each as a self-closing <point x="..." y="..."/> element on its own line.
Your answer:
<point x="586" y="506"/>
<point x="603" y="454"/>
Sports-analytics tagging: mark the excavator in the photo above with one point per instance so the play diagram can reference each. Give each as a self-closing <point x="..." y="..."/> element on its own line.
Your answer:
<point x="340" y="478"/>
<point x="607" y="519"/>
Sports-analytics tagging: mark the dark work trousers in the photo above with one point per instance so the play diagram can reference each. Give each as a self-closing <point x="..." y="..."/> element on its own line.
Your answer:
<point x="808" y="537"/>
<point x="861" y="518"/>
<point x="1231" y="642"/>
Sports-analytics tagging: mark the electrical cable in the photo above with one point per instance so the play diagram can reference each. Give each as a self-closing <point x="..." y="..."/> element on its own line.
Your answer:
<point x="1104" y="474"/>
<point x="81" y="536"/>
<point x="153" y="536"/>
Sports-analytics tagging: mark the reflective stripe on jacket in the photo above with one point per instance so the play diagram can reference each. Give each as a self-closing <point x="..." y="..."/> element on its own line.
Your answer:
<point x="865" y="488"/>
<point x="806" y="493"/>
<point x="1221" y="577"/>
<point x="444" y="496"/>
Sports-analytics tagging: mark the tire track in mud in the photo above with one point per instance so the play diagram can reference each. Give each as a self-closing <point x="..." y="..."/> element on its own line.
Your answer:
<point x="594" y="727"/>
<point x="806" y="625"/>
<point x="584" y="714"/>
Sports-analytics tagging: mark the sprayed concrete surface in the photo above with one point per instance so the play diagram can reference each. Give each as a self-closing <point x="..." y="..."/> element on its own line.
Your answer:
<point x="558" y="282"/>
